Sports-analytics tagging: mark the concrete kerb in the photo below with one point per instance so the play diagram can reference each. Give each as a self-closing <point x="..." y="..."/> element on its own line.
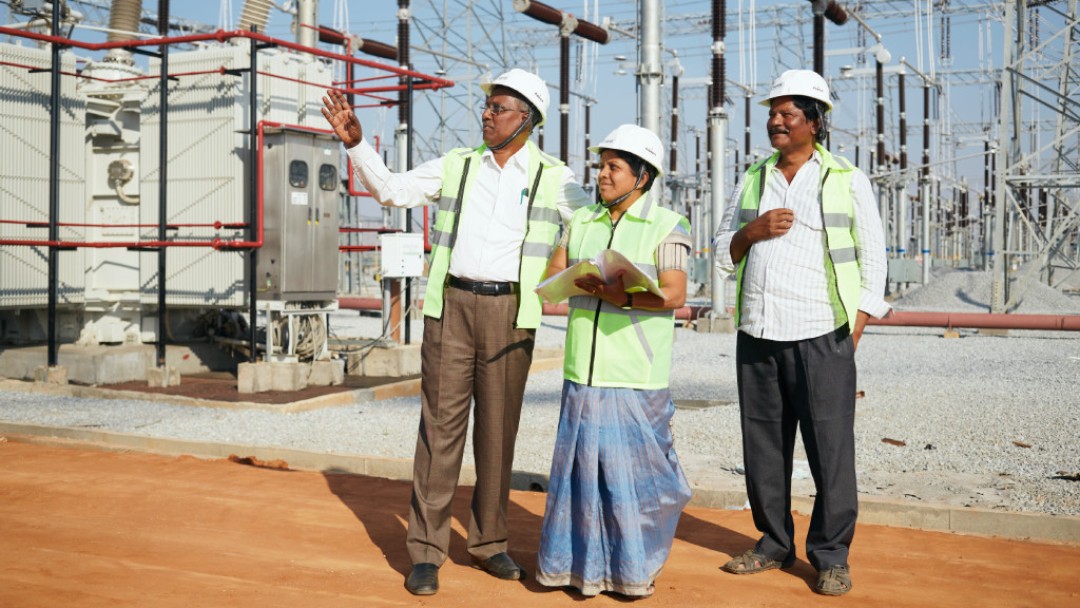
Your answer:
<point x="1035" y="527"/>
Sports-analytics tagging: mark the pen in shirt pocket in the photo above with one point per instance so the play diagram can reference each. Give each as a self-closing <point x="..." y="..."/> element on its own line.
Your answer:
<point x="524" y="195"/>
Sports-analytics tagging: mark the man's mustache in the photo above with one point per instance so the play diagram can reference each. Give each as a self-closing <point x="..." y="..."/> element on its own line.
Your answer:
<point x="778" y="131"/>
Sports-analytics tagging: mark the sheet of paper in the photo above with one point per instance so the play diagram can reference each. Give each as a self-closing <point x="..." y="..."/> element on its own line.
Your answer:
<point x="607" y="265"/>
<point x="561" y="286"/>
<point x="611" y="263"/>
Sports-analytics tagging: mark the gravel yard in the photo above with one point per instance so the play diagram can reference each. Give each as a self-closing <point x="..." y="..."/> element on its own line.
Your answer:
<point x="985" y="421"/>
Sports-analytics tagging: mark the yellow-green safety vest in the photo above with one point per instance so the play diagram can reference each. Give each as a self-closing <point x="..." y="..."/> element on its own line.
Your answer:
<point x="840" y="252"/>
<point x="541" y="229"/>
<point x="606" y="345"/>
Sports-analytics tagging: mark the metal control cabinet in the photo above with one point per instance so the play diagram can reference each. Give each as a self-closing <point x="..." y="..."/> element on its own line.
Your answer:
<point x="299" y="256"/>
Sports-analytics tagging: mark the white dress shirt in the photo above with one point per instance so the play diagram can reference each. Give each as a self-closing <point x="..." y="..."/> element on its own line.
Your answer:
<point x="491" y="227"/>
<point x="785" y="292"/>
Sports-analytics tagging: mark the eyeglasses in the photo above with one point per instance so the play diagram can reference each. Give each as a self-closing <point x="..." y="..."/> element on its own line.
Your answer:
<point x="497" y="109"/>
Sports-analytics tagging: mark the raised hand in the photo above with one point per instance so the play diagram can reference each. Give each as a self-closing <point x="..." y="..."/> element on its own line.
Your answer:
<point x="339" y="114"/>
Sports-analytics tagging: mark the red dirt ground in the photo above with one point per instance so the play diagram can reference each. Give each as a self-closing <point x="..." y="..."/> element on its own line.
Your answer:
<point x="81" y="527"/>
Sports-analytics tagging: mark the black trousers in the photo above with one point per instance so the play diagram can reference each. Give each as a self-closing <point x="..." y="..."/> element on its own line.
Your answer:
<point x="809" y="385"/>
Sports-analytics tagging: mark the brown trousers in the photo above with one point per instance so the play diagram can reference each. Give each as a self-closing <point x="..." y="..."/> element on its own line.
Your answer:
<point x="474" y="351"/>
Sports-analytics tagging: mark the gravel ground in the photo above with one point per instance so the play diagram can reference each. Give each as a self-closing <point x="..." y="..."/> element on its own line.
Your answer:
<point x="985" y="421"/>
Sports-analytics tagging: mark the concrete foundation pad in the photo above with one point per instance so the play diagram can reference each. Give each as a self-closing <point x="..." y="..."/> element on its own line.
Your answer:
<point x="872" y="510"/>
<point x="162" y="376"/>
<point x="57" y="374"/>
<point x="950" y="333"/>
<point x="288" y="376"/>
<point x="272" y="376"/>
<point x="253" y="378"/>
<point x="113" y="364"/>
<point x="992" y="331"/>
<point x="394" y="361"/>
<point x="327" y="373"/>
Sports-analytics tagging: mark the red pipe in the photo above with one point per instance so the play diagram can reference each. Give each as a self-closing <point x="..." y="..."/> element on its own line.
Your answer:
<point x="397" y="87"/>
<point x="105" y="245"/>
<point x="368" y="79"/>
<point x="980" y="320"/>
<point x="686" y="313"/>
<point x="216" y="225"/>
<point x="356" y="303"/>
<point x="905" y="319"/>
<point x="222" y="36"/>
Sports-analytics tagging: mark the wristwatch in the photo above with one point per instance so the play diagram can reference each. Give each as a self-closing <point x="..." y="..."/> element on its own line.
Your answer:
<point x="629" y="300"/>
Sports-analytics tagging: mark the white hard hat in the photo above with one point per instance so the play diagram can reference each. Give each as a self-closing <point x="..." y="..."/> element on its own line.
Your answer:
<point x="531" y="87"/>
<point x="636" y="140"/>
<point x="807" y="83"/>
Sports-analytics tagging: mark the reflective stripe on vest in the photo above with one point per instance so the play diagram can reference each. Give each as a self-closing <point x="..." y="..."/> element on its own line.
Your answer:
<point x="837" y="218"/>
<point x="632" y="347"/>
<point x="541" y="229"/>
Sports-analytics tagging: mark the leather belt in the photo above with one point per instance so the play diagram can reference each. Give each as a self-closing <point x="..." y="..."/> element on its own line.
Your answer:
<point x="482" y="288"/>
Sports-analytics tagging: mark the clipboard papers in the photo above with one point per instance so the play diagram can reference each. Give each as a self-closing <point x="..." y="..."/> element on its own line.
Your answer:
<point x="607" y="265"/>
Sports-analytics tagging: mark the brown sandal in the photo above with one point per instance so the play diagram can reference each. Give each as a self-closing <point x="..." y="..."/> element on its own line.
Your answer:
<point x="752" y="562"/>
<point x="835" y="580"/>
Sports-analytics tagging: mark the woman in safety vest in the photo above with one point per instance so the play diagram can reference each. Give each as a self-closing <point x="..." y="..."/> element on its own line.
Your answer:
<point x="616" y="488"/>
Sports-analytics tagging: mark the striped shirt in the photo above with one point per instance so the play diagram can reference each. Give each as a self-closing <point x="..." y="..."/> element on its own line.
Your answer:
<point x="785" y="293"/>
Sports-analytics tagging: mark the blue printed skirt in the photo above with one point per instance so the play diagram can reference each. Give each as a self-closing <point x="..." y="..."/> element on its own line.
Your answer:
<point x="615" y="494"/>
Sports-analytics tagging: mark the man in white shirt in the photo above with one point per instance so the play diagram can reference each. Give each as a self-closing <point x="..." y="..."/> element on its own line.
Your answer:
<point x="804" y="235"/>
<point x="501" y="207"/>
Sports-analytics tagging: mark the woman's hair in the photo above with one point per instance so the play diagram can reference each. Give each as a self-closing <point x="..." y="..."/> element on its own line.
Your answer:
<point x="637" y="165"/>
<point x="813" y="110"/>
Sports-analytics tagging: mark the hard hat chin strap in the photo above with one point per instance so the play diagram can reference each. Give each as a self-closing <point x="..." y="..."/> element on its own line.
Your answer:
<point x="622" y="198"/>
<point x="513" y="136"/>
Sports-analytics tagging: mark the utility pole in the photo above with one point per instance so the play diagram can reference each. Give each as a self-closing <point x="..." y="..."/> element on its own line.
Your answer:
<point x="1008" y="151"/>
<point x="717" y="138"/>
<point x="649" y="73"/>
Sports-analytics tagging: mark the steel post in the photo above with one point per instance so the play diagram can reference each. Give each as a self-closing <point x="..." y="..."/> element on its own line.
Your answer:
<point x="253" y="202"/>
<point x="163" y="176"/>
<point x="54" y="187"/>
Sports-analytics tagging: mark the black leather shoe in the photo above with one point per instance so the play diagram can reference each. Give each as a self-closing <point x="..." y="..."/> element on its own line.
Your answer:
<point x="501" y="565"/>
<point x="423" y="580"/>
